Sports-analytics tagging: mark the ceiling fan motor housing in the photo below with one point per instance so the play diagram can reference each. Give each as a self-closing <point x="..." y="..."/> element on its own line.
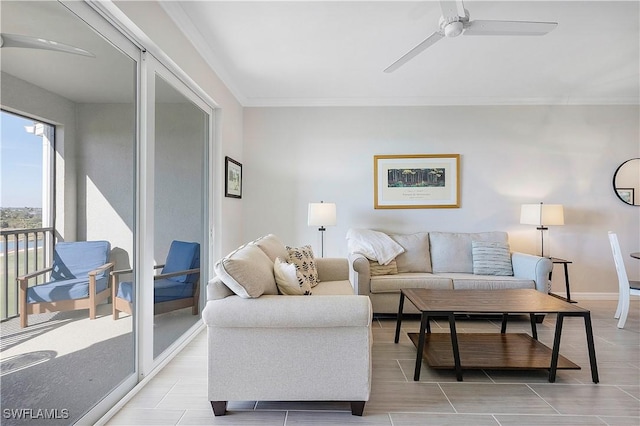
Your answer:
<point x="452" y="26"/>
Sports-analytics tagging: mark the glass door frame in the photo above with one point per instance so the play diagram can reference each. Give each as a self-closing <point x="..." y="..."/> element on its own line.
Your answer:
<point x="152" y="67"/>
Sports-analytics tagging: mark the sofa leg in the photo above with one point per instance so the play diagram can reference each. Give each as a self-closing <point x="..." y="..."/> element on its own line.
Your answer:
<point x="357" y="407"/>
<point x="219" y="408"/>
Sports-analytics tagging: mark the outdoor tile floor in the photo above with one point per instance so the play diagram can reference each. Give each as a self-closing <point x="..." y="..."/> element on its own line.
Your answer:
<point x="178" y="394"/>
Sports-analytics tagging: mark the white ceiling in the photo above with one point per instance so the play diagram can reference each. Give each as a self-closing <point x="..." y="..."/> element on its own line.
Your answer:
<point x="274" y="53"/>
<point x="334" y="52"/>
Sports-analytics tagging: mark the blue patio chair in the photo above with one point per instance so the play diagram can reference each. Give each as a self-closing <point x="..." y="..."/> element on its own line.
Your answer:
<point x="176" y="287"/>
<point x="78" y="280"/>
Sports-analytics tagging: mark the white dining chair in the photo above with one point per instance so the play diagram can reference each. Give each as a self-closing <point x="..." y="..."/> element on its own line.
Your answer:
<point x="626" y="287"/>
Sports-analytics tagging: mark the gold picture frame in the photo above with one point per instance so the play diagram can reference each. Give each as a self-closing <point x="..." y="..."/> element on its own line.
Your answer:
<point x="418" y="181"/>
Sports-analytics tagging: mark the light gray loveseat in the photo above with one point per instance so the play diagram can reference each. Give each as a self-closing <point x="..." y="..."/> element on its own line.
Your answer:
<point x="441" y="260"/>
<point x="263" y="346"/>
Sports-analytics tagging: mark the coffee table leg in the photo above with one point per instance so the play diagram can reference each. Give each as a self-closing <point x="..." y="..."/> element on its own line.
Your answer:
<point x="555" y="353"/>
<point x="503" y="328"/>
<point x="534" y="329"/>
<point x="591" y="347"/>
<point x="400" y="309"/>
<point x="423" y="325"/>
<point x="456" y="349"/>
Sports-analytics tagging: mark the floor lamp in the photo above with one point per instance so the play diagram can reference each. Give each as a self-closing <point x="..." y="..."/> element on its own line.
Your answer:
<point x="542" y="215"/>
<point x="322" y="214"/>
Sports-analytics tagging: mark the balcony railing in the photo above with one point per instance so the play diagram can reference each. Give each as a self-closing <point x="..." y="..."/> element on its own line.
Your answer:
<point x="22" y="251"/>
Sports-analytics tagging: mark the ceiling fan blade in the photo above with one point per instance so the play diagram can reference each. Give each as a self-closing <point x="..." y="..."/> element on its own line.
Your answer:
<point x="452" y="8"/>
<point x="415" y="51"/>
<point x="28" y="42"/>
<point x="480" y="27"/>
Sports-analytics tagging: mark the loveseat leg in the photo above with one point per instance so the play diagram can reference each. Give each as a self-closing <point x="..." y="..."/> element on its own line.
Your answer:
<point x="219" y="408"/>
<point x="357" y="407"/>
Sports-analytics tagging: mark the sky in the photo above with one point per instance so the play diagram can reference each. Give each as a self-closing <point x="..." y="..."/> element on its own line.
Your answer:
<point x="20" y="163"/>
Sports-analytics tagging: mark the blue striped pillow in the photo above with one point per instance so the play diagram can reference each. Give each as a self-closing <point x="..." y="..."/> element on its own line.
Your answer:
<point x="490" y="258"/>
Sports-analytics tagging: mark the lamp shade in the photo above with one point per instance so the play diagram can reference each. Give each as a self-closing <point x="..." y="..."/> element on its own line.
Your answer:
<point x="542" y="214"/>
<point x="322" y="214"/>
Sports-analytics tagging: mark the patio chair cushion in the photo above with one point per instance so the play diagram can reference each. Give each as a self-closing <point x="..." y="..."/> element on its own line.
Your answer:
<point x="76" y="259"/>
<point x="77" y="288"/>
<point x="164" y="290"/>
<point x="182" y="256"/>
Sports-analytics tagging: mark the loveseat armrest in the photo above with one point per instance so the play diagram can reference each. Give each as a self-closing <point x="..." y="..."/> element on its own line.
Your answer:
<point x="532" y="267"/>
<point x="360" y="273"/>
<point x="332" y="268"/>
<point x="280" y="312"/>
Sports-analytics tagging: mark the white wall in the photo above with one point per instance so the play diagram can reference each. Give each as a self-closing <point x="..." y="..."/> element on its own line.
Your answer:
<point x="509" y="156"/>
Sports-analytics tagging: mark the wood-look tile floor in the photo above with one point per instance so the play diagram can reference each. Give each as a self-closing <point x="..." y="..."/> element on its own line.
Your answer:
<point x="178" y="394"/>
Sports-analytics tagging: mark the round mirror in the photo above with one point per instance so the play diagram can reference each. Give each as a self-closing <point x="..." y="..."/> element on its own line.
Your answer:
<point x="626" y="181"/>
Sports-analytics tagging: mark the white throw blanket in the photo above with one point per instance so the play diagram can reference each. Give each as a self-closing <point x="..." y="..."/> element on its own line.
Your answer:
<point x="374" y="245"/>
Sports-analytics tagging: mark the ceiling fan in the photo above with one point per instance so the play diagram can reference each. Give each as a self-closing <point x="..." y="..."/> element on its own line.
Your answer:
<point x="455" y="21"/>
<point x="28" y="42"/>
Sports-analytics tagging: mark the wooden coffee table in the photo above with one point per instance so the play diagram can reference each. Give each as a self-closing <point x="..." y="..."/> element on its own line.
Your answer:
<point x="491" y="350"/>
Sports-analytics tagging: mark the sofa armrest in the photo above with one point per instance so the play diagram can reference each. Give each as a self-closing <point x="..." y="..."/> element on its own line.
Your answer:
<point x="532" y="267"/>
<point x="280" y="312"/>
<point x="332" y="268"/>
<point x="360" y="273"/>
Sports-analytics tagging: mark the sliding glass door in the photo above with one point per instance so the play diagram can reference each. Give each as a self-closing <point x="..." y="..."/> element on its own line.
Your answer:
<point x="131" y="168"/>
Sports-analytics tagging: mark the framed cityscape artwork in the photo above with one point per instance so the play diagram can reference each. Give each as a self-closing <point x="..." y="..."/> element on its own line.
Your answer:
<point x="419" y="181"/>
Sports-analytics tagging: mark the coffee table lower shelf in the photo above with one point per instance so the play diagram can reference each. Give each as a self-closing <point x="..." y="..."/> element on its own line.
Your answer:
<point x="492" y="351"/>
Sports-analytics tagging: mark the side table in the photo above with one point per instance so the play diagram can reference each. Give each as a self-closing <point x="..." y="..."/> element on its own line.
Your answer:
<point x="557" y="260"/>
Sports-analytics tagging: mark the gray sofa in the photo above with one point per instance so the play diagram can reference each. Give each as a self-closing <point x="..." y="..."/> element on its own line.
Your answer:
<point x="269" y="347"/>
<point x="442" y="260"/>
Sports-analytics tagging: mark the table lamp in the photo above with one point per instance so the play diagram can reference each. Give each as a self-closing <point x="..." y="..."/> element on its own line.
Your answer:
<point x="322" y="214"/>
<point x="542" y="215"/>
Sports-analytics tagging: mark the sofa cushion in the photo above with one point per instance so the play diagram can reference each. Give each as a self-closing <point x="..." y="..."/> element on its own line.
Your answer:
<point x="304" y="260"/>
<point x="247" y="271"/>
<point x="77" y="288"/>
<point x="376" y="269"/>
<point x="335" y="288"/>
<point x="272" y="247"/>
<point x="487" y="282"/>
<point x="394" y="283"/>
<point x="451" y="251"/>
<point x="289" y="280"/>
<point x="416" y="256"/>
<point x="490" y="258"/>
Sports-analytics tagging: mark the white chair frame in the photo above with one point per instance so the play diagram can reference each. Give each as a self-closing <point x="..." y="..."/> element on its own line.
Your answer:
<point x="626" y="287"/>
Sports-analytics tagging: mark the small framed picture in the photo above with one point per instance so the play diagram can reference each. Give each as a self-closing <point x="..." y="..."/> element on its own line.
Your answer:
<point x="233" y="180"/>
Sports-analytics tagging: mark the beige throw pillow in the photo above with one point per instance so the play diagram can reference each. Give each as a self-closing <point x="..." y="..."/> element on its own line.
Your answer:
<point x="305" y="262"/>
<point x="376" y="269"/>
<point x="289" y="280"/>
<point x="248" y="272"/>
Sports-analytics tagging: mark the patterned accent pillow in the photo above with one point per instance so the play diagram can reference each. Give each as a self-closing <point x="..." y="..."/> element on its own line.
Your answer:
<point x="289" y="280"/>
<point x="305" y="262"/>
<point x="490" y="258"/>
<point x="376" y="269"/>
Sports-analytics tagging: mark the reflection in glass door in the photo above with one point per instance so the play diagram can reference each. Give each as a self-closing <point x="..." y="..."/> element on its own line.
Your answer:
<point x="179" y="204"/>
<point x="63" y="361"/>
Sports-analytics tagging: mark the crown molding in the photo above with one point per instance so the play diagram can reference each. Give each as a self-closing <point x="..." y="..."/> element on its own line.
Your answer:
<point x="177" y="14"/>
